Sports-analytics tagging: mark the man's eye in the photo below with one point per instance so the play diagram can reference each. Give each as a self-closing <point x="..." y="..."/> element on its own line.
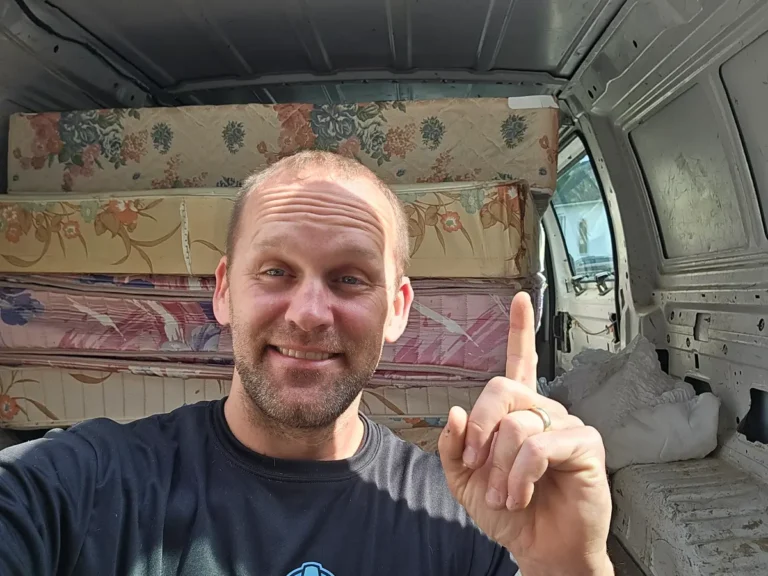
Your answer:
<point x="275" y="272"/>
<point x="351" y="281"/>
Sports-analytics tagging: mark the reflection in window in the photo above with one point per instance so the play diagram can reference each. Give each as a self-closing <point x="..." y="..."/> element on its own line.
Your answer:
<point x="578" y="204"/>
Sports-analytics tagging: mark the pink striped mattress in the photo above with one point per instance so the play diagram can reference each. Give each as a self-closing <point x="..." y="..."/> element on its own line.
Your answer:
<point x="456" y="335"/>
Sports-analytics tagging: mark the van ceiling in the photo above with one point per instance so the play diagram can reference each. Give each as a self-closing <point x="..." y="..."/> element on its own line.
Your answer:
<point x="235" y="51"/>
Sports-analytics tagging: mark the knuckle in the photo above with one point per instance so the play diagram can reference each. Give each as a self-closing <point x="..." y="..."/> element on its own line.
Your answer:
<point x="575" y="421"/>
<point x="593" y="433"/>
<point x="474" y="427"/>
<point x="498" y="384"/>
<point x="535" y="448"/>
<point x="498" y="469"/>
<point x="594" y="436"/>
<point x="511" y="427"/>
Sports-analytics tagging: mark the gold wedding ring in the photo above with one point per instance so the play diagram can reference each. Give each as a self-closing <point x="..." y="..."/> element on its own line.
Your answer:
<point x="543" y="415"/>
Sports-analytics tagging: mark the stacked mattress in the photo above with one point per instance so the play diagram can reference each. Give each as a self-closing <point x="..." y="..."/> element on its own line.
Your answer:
<point x="116" y="220"/>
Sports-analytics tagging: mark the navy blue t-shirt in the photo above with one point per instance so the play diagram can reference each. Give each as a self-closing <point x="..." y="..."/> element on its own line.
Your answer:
<point x="178" y="494"/>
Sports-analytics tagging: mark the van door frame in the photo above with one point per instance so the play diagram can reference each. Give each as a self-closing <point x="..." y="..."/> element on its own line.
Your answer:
<point x="582" y="317"/>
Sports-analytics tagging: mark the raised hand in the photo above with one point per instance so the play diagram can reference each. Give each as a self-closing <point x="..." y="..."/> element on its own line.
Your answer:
<point x="530" y="475"/>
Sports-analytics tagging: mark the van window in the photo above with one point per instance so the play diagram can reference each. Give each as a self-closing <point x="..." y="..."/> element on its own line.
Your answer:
<point x="580" y="208"/>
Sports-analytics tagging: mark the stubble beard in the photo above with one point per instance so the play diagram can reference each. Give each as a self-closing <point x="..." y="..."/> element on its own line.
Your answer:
<point x="319" y="409"/>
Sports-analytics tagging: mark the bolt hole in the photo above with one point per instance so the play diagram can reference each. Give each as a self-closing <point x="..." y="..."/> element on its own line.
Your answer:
<point x="725" y="349"/>
<point x="668" y="339"/>
<point x="634" y="43"/>
<point x="56" y="49"/>
<point x="761" y="324"/>
<point x="696" y="360"/>
<point x="688" y="342"/>
<point x="590" y="94"/>
<point x="672" y="315"/>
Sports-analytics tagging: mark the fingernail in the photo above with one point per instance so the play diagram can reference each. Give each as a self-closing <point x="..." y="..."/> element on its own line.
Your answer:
<point x="493" y="497"/>
<point x="470" y="456"/>
<point x="510" y="503"/>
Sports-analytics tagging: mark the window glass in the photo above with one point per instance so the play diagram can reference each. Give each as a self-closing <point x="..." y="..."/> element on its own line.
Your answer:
<point x="580" y="209"/>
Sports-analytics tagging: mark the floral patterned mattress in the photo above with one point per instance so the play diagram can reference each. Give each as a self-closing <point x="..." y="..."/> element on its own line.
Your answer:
<point x="218" y="146"/>
<point x="458" y="230"/>
<point x="456" y="332"/>
<point x="47" y="391"/>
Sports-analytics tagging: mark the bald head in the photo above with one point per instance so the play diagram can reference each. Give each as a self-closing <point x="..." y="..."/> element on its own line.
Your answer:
<point x="311" y="164"/>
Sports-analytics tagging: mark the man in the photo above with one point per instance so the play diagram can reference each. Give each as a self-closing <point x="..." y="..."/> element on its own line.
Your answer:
<point x="285" y="477"/>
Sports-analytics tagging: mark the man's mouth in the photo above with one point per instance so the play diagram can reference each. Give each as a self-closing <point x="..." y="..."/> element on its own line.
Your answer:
<point x="303" y="354"/>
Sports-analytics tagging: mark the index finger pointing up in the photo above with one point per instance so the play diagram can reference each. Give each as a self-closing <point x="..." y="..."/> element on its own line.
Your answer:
<point x="521" y="342"/>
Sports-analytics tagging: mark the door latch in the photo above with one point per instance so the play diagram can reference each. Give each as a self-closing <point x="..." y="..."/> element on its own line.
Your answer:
<point x="561" y="331"/>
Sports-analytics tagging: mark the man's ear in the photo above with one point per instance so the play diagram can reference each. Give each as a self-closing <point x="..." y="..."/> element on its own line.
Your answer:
<point x="221" y="293"/>
<point x="401" y="309"/>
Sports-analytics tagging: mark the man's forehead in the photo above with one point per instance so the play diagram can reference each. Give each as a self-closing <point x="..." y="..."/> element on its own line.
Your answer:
<point x="352" y="192"/>
<point x="283" y="241"/>
<point x="319" y="180"/>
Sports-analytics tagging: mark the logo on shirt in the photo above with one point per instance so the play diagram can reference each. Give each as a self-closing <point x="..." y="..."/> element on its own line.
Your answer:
<point x="310" y="569"/>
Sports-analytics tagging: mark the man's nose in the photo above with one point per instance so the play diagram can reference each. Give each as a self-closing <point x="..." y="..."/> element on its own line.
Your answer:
<point x="310" y="306"/>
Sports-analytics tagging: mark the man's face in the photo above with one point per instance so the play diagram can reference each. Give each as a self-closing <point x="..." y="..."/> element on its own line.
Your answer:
<point x="311" y="296"/>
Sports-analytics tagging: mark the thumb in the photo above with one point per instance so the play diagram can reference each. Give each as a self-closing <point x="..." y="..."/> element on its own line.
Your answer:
<point x="450" y="445"/>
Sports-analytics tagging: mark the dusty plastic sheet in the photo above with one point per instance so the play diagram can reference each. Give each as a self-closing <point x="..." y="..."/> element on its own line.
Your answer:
<point x="207" y="146"/>
<point x="464" y="230"/>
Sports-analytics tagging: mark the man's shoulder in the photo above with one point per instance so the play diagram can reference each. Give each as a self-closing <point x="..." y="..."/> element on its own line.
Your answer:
<point x="109" y="436"/>
<point x="400" y="448"/>
<point x="414" y="475"/>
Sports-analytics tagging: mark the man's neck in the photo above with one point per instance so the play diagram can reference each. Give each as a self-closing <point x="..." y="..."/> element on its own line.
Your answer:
<point x="339" y="441"/>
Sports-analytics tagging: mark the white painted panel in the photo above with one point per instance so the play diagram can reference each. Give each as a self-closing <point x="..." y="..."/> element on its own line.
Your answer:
<point x="680" y="150"/>
<point x="746" y="82"/>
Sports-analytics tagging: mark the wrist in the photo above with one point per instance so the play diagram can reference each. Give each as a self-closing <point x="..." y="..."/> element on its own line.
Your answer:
<point x="598" y="565"/>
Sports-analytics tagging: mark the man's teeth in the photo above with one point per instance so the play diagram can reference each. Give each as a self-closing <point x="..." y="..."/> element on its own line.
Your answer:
<point x="304" y="355"/>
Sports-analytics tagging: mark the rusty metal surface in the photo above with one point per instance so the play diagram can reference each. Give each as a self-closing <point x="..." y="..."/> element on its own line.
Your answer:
<point x="696" y="518"/>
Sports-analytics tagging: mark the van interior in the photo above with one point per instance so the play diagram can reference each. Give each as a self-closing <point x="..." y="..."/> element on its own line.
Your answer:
<point x="653" y="236"/>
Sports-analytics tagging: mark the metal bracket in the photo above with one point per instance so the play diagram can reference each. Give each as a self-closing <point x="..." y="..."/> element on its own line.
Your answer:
<point x="601" y="280"/>
<point x="578" y="285"/>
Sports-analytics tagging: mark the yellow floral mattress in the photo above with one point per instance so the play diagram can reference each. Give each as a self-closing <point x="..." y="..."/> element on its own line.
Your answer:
<point x="459" y="230"/>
